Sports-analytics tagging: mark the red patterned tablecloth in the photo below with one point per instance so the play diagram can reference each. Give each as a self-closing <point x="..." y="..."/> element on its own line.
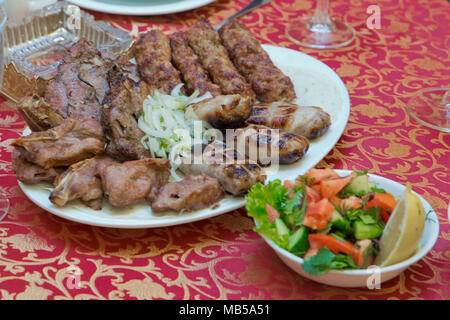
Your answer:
<point x="221" y="257"/>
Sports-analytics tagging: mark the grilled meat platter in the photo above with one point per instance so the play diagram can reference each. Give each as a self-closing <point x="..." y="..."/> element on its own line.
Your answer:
<point x="86" y="125"/>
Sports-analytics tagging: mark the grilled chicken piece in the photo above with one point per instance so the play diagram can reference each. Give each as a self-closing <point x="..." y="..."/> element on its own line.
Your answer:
<point x="265" y="145"/>
<point x="194" y="192"/>
<point x="235" y="173"/>
<point x="224" y="111"/>
<point x="72" y="141"/>
<point x="253" y="62"/>
<point x="214" y="57"/>
<point x="81" y="181"/>
<point x="31" y="173"/>
<point x="195" y="77"/>
<point x="310" y="122"/>
<point x="128" y="182"/>
<point x="121" y="110"/>
<point x="153" y="57"/>
<point x="38" y="114"/>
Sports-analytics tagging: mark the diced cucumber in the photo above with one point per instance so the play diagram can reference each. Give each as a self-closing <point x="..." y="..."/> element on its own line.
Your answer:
<point x="367" y="231"/>
<point x="340" y="222"/>
<point x="282" y="229"/>
<point x="359" y="186"/>
<point x="289" y="220"/>
<point x="298" y="241"/>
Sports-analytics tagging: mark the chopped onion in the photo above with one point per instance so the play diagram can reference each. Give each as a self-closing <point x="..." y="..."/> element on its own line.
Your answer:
<point x="162" y="118"/>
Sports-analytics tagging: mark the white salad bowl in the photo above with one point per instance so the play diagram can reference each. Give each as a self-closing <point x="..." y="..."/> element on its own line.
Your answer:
<point x="373" y="276"/>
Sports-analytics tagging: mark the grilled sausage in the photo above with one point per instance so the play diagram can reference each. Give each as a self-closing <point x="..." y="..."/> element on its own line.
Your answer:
<point x="310" y="122"/>
<point x="235" y="173"/>
<point x="214" y="57"/>
<point x="253" y="62"/>
<point x="263" y="144"/>
<point x="195" y="77"/>
<point x="224" y="111"/>
<point x="153" y="56"/>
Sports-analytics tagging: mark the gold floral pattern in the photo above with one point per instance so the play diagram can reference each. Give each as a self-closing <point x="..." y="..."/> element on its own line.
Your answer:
<point x="221" y="257"/>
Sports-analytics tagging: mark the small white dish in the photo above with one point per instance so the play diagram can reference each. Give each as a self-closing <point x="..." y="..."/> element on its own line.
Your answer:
<point x="372" y="277"/>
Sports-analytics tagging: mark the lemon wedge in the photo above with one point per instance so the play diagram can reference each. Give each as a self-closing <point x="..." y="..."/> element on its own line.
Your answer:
<point x="403" y="231"/>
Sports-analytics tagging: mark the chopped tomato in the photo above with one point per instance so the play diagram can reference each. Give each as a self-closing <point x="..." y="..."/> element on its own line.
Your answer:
<point x="330" y="188"/>
<point x="318" y="241"/>
<point x="311" y="252"/>
<point x="272" y="213"/>
<point x="316" y="187"/>
<point x="386" y="202"/>
<point x="315" y="176"/>
<point x="359" y="256"/>
<point x="352" y="202"/>
<point x="318" y="214"/>
<point x="312" y="195"/>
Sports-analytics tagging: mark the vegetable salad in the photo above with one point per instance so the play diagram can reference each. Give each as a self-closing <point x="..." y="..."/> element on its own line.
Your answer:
<point x="331" y="222"/>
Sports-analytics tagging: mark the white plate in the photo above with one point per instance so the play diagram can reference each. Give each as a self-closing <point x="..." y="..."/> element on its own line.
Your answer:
<point x="140" y="7"/>
<point x="315" y="84"/>
<point x="366" y="277"/>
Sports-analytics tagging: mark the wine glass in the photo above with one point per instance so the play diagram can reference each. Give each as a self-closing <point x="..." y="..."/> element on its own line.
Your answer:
<point x="4" y="201"/>
<point x="431" y="108"/>
<point x="320" y="31"/>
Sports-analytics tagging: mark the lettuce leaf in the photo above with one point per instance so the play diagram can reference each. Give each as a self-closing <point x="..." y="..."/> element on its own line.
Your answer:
<point x="273" y="193"/>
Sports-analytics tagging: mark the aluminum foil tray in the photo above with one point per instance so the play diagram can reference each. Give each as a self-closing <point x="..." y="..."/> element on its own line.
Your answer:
<point x="33" y="49"/>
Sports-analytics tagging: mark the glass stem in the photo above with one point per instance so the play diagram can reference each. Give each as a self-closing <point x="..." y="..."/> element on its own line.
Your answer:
<point x="321" y="19"/>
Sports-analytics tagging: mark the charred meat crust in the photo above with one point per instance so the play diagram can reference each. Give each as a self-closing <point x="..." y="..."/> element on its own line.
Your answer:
<point x="308" y="121"/>
<point x="224" y="111"/>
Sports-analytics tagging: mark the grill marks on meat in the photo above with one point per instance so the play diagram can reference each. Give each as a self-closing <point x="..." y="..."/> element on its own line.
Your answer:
<point x="267" y="81"/>
<point x="214" y="57"/>
<point x="81" y="181"/>
<point x="72" y="141"/>
<point x="121" y="111"/>
<point x="224" y="111"/>
<point x="310" y="122"/>
<point x="194" y="192"/>
<point x="80" y="85"/>
<point x="265" y="145"/>
<point x="31" y="173"/>
<point x="153" y="57"/>
<point x="235" y="173"/>
<point x="131" y="181"/>
<point x="185" y="60"/>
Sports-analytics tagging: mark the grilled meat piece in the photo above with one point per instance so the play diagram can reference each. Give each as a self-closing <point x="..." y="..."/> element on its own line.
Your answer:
<point x="121" y="111"/>
<point x="214" y="57"/>
<point x="128" y="182"/>
<point x="80" y="85"/>
<point x="235" y="173"/>
<point x="72" y="141"/>
<point x="266" y="145"/>
<point x="153" y="57"/>
<point x="38" y="114"/>
<point x="195" y="77"/>
<point x="31" y="173"/>
<point x="310" y="122"/>
<point x="81" y="181"/>
<point x="224" y="111"/>
<point x="194" y="192"/>
<point x="253" y="62"/>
